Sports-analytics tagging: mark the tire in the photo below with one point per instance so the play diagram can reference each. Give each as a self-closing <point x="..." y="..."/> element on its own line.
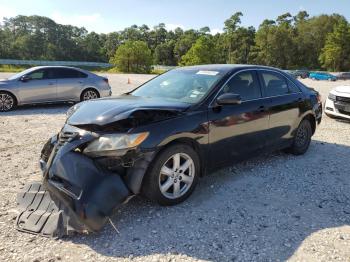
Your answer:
<point x="89" y="94"/>
<point x="162" y="174"/>
<point x="302" y="138"/>
<point x="7" y="101"/>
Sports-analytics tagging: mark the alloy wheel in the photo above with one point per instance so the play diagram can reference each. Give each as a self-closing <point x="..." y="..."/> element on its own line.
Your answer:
<point x="90" y="94"/>
<point x="176" y="176"/>
<point x="6" y="102"/>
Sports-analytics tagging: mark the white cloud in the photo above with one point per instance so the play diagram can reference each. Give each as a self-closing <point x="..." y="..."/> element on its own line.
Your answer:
<point x="216" y="31"/>
<point x="78" y="20"/>
<point x="172" y="27"/>
<point x="6" y="12"/>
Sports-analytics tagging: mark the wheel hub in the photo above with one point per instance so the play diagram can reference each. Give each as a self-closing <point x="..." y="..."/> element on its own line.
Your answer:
<point x="176" y="175"/>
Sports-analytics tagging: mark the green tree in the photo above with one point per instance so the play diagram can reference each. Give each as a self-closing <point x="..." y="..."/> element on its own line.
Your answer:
<point x="336" y="52"/>
<point x="184" y="43"/>
<point x="133" y="56"/>
<point x="164" y="54"/>
<point x="202" y="52"/>
<point x="237" y="40"/>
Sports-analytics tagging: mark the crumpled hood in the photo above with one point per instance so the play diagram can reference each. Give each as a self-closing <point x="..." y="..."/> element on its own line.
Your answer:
<point x="108" y="110"/>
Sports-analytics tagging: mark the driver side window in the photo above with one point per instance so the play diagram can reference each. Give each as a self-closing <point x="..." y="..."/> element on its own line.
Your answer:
<point x="244" y="84"/>
<point x="37" y="75"/>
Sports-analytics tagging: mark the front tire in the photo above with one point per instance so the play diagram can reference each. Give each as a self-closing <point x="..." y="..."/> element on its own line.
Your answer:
<point x="302" y="138"/>
<point x="172" y="176"/>
<point x="7" y="101"/>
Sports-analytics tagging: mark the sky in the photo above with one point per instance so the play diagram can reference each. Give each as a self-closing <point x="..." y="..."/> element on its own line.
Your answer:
<point x="105" y="16"/>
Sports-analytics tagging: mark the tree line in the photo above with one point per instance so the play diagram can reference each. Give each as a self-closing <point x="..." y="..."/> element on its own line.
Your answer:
<point x="289" y="42"/>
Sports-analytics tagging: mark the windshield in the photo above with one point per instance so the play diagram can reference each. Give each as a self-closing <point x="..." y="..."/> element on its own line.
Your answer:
<point x="18" y="75"/>
<point x="188" y="86"/>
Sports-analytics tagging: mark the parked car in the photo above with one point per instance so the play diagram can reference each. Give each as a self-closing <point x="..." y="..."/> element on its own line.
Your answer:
<point x="338" y="102"/>
<point x="159" y="139"/>
<point x="343" y="76"/>
<point x="302" y="73"/>
<point x="51" y="84"/>
<point x="322" y="76"/>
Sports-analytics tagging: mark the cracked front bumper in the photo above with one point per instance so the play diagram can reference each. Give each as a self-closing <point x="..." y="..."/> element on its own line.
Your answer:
<point x="76" y="193"/>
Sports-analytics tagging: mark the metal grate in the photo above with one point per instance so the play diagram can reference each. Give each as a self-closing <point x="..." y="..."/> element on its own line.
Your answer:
<point x="65" y="137"/>
<point x="343" y="99"/>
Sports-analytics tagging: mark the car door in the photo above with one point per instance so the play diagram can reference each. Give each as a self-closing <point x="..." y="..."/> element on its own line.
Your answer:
<point x="284" y="100"/>
<point x="38" y="86"/>
<point x="70" y="83"/>
<point x="238" y="131"/>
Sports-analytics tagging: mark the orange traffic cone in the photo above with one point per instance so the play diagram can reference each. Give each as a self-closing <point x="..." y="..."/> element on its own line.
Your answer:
<point x="129" y="82"/>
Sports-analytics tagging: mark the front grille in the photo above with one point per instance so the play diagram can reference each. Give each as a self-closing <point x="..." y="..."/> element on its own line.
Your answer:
<point x="343" y="99"/>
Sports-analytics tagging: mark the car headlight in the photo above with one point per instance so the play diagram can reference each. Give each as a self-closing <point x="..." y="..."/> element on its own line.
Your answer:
<point x="114" y="145"/>
<point x="72" y="109"/>
<point x="332" y="97"/>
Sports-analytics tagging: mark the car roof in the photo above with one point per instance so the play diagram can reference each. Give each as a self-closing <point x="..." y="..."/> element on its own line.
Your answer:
<point x="66" y="67"/>
<point x="224" y="68"/>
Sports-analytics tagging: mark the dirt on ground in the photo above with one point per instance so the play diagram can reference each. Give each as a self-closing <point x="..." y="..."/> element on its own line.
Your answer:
<point x="275" y="207"/>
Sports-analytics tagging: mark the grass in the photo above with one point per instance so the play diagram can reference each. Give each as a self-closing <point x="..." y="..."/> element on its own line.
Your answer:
<point x="12" y="68"/>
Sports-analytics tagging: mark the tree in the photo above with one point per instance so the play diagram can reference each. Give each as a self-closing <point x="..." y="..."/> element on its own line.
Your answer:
<point x="164" y="54"/>
<point x="133" y="56"/>
<point x="336" y="52"/>
<point x="184" y="43"/>
<point x="202" y="52"/>
<point x="237" y="40"/>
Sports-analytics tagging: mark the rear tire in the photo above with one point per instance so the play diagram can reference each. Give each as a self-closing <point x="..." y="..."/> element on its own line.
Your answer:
<point x="89" y="94"/>
<point x="302" y="138"/>
<point x="172" y="176"/>
<point x="8" y="101"/>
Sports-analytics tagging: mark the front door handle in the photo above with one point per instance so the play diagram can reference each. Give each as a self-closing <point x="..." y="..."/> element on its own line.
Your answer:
<point x="51" y="83"/>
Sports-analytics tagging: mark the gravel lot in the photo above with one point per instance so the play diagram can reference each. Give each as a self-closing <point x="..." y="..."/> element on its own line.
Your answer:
<point x="273" y="208"/>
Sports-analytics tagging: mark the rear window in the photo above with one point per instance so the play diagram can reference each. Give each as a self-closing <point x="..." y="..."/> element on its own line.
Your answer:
<point x="69" y="73"/>
<point x="275" y="84"/>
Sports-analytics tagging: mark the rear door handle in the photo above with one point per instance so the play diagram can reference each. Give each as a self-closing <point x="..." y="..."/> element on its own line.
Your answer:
<point x="262" y="109"/>
<point x="51" y="83"/>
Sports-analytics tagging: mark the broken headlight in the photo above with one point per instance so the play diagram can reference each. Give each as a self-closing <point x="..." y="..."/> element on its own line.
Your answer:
<point x="114" y="145"/>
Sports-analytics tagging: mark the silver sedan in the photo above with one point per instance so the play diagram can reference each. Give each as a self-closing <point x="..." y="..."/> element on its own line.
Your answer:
<point x="46" y="84"/>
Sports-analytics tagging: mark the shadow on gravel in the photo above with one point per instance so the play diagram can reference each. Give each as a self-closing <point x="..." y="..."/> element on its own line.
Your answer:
<point x="48" y="109"/>
<point x="257" y="210"/>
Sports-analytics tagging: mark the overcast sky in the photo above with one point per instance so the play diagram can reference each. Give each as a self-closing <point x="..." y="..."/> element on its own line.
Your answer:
<point x="105" y="16"/>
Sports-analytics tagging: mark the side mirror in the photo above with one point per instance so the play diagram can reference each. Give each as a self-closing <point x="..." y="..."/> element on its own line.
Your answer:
<point x="25" y="78"/>
<point x="229" y="99"/>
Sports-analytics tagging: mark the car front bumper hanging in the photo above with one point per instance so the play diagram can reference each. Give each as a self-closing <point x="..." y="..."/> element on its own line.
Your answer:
<point x="74" y="196"/>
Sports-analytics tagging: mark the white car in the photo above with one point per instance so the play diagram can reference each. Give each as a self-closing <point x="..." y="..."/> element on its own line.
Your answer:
<point x="338" y="102"/>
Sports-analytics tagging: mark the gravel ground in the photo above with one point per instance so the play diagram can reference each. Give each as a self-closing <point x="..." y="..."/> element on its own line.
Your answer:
<point x="273" y="208"/>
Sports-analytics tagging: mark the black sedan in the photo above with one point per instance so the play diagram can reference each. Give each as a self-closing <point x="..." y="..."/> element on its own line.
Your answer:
<point x="159" y="139"/>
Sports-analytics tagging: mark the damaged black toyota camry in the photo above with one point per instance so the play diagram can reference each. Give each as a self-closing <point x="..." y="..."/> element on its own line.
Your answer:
<point x="159" y="139"/>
